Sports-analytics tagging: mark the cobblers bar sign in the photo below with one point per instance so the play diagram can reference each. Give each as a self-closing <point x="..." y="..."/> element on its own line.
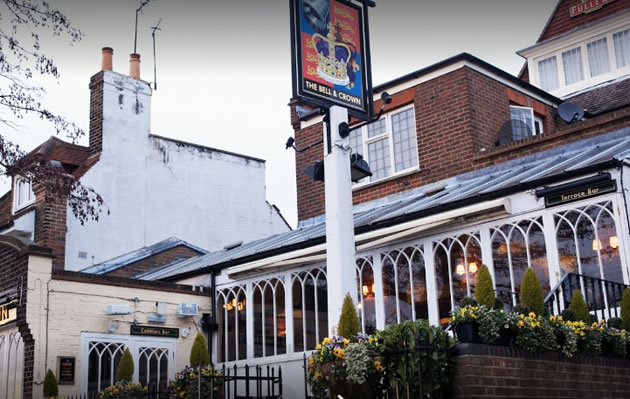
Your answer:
<point x="587" y="6"/>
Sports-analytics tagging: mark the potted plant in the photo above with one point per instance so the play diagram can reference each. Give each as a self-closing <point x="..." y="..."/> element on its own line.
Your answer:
<point x="535" y="333"/>
<point x="194" y="382"/>
<point x="466" y="323"/>
<point x="496" y="326"/>
<point x="565" y="336"/>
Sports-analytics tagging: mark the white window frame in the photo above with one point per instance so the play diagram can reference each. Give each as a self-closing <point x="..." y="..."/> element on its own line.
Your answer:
<point x="534" y="118"/>
<point x="365" y="140"/>
<point x="17" y="205"/>
<point x="581" y="40"/>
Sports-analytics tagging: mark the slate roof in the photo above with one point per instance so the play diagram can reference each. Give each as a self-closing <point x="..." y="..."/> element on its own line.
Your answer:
<point x="140" y="254"/>
<point x="536" y="170"/>
<point x="605" y="97"/>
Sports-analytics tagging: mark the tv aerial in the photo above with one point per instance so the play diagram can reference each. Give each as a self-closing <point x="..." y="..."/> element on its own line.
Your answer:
<point x="135" y="38"/>
<point x="155" y="28"/>
<point x="570" y="112"/>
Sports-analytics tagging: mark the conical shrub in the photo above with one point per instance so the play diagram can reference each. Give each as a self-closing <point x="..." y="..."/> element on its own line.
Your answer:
<point x="348" y="326"/>
<point x="578" y="306"/>
<point x="625" y="309"/>
<point x="199" y="355"/>
<point x="125" y="367"/>
<point x="484" y="291"/>
<point x="50" y="385"/>
<point x="532" y="293"/>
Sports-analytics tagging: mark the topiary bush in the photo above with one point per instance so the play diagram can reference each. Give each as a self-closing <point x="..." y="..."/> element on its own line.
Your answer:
<point x="467" y="301"/>
<point x="568" y="315"/>
<point x="125" y="367"/>
<point x="348" y="325"/>
<point x="532" y="293"/>
<point x="615" y="322"/>
<point x="521" y="308"/>
<point x="498" y="304"/>
<point x="484" y="292"/>
<point x="625" y="309"/>
<point x="50" y="385"/>
<point x="199" y="355"/>
<point x="579" y="307"/>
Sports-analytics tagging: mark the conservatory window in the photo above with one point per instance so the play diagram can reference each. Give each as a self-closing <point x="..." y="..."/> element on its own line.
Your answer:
<point x="11" y="364"/>
<point x="232" y="319"/>
<point x="457" y="261"/>
<point x="270" y="334"/>
<point x="515" y="248"/>
<point x="404" y="286"/>
<point x="310" y="309"/>
<point x="366" y="294"/>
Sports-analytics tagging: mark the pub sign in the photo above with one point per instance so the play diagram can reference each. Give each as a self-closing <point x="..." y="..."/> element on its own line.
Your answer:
<point x="8" y="313"/>
<point x="329" y="44"/>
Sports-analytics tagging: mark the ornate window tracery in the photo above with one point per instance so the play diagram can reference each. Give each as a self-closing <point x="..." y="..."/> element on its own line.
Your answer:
<point x="232" y="319"/>
<point x="366" y="294"/>
<point x="310" y="308"/>
<point x="270" y="334"/>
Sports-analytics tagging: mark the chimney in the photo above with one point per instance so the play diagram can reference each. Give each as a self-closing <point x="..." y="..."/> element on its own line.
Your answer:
<point x="134" y="66"/>
<point x="107" y="63"/>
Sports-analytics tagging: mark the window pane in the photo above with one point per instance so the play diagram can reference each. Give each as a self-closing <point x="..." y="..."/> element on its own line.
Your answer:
<point x="518" y="255"/>
<point x="231" y="328"/>
<point x="309" y="313"/>
<point x="365" y="288"/>
<point x="598" y="57"/>
<point x="419" y="286"/>
<point x="356" y="141"/>
<point x="501" y="266"/>
<point x="572" y="63"/>
<point x="322" y="307"/>
<point x="442" y="284"/>
<point x="269" y="322"/>
<point x="379" y="159"/>
<point x="405" y="143"/>
<point x="404" y="285"/>
<point x="258" y="323"/>
<point x="298" y="329"/>
<point x="621" y="40"/>
<point x="281" y="326"/>
<point x="458" y="273"/>
<point x="221" y="309"/>
<point x="242" y="325"/>
<point x="586" y="243"/>
<point x="609" y="247"/>
<point x="522" y="122"/>
<point x="389" y="292"/>
<point x="377" y="128"/>
<point x="538" y="255"/>
<point x="566" y="243"/>
<point x="548" y="72"/>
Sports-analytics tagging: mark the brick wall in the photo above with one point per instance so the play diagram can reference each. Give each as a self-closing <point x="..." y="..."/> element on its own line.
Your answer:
<point x="487" y="371"/>
<point x="96" y="112"/>
<point x="50" y="224"/>
<point x="179" y="252"/>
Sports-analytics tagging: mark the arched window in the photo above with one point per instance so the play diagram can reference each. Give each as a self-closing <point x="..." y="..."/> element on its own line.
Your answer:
<point x="310" y="308"/>
<point x="404" y="285"/>
<point x="366" y="293"/>
<point x="270" y="334"/>
<point x="232" y="320"/>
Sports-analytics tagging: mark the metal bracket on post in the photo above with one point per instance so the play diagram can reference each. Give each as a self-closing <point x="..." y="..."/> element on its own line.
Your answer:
<point x="345" y="129"/>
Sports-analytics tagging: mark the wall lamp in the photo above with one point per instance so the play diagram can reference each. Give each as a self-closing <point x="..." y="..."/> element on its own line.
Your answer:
<point x="345" y="129"/>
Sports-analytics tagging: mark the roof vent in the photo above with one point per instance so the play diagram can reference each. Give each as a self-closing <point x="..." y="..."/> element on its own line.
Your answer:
<point x="434" y="188"/>
<point x="233" y="245"/>
<point x="513" y="130"/>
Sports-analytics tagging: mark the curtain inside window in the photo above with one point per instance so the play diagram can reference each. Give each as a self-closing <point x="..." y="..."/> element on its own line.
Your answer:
<point x="598" y="57"/>
<point x="621" y="40"/>
<point x="548" y="73"/>
<point x="572" y="65"/>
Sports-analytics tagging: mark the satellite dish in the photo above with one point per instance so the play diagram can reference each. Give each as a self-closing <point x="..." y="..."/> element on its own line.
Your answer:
<point x="513" y="130"/>
<point x="570" y="112"/>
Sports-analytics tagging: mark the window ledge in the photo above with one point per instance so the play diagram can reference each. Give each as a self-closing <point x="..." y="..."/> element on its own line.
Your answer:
<point x="387" y="179"/>
<point x="23" y="207"/>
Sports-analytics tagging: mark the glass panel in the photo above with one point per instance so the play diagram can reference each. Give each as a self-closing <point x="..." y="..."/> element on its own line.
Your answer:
<point x="501" y="265"/>
<point x="518" y="255"/>
<point x="378" y="159"/>
<point x="377" y="128"/>
<point x="598" y="60"/>
<point x="221" y="331"/>
<point x="419" y="285"/>
<point x="621" y="41"/>
<point x="322" y="307"/>
<point x="586" y="243"/>
<point x="538" y="254"/>
<point x="231" y="327"/>
<point x="281" y="323"/>
<point x="365" y="288"/>
<point x="298" y="331"/>
<point x="404" y="285"/>
<point x="607" y="232"/>
<point x="258" y="323"/>
<point x="548" y="73"/>
<point x="442" y="284"/>
<point x="458" y="273"/>
<point x="473" y="260"/>
<point x="309" y="312"/>
<point x="103" y="364"/>
<point x="405" y="142"/>
<point x="269" y="321"/>
<point x="356" y="141"/>
<point x="567" y="252"/>
<point x="572" y="63"/>
<point x="524" y="115"/>
<point x="242" y="325"/>
<point x="389" y="292"/>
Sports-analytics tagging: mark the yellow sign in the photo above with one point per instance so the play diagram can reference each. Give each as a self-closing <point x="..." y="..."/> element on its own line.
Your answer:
<point x="8" y="313"/>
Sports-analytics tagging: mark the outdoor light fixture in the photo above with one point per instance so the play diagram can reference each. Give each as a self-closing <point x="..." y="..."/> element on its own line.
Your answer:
<point x="359" y="168"/>
<point x="315" y="170"/>
<point x="345" y="129"/>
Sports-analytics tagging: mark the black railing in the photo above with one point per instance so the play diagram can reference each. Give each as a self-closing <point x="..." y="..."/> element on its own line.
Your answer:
<point x="602" y="297"/>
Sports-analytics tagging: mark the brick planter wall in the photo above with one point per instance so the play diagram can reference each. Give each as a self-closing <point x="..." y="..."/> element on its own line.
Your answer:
<point x="489" y="371"/>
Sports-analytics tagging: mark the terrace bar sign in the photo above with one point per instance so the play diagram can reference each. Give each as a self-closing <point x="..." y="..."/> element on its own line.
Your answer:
<point x="330" y="59"/>
<point x="587" y="6"/>
<point x="8" y="313"/>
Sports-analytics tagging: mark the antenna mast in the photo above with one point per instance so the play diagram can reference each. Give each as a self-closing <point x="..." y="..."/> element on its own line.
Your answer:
<point x="135" y="38"/>
<point x="156" y="27"/>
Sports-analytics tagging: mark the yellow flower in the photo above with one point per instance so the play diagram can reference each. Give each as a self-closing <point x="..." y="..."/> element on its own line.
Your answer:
<point x="326" y="341"/>
<point x="520" y="323"/>
<point x="318" y="347"/>
<point x="370" y="340"/>
<point x="559" y="318"/>
<point x="311" y="361"/>
<point x="317" y="375"/>
<point x="378" y="366"/>
<point x="532" y="315"/>
<point x="552" y="318"/>
<point x="339" y="352"/>
<point x="345" y="342"/>
<point x="594" y="325"/>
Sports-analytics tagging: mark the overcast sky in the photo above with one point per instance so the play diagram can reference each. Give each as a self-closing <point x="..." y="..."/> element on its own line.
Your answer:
<point x="224" y="75"/>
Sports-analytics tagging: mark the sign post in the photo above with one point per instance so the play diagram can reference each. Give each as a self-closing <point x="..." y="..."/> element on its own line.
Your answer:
<point x="331" y="70"/>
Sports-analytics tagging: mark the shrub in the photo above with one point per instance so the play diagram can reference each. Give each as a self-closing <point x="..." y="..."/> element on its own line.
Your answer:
<point x="199" y="355"/>
<point x="521" y="308"/>
<point x="532" y="293"/>
<point x="50" y="384"/>
<point x="124" y="390"/>
<point x="348" y="325"/>
<point x="186" y="383"/>
<point x="467" y="301"/>
<point x="125" y="367"/>
<point x="579" y="307"/>
<point x="615" y="322"/>
<point x="625" y="309"/>
<point x="484" y="292"/>
<point x="535" y="333"/>
<point x="498" y="304"/>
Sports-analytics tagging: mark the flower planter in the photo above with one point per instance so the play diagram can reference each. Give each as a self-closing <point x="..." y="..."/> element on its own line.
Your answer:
<point x="467" y="332"/>
<point x="506" y="337"/>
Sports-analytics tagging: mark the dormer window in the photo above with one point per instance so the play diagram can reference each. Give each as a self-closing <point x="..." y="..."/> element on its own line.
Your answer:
<point x="22" y="194"/>
<point x="531" y="125"/>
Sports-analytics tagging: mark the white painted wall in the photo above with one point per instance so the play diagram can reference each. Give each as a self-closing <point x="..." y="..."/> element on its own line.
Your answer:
<point x="156" y="188"/>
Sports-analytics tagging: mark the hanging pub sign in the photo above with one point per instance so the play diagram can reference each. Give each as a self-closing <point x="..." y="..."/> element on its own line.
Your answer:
<point x="155" y="331"/>
<point x="587" y="6"/>
<point x="8" y="313"/>
<point x="581" y="193"/>
<point x="330" y="52"/>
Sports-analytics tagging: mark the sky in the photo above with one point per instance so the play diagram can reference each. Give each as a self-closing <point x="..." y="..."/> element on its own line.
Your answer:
<point x="224" y="66"/>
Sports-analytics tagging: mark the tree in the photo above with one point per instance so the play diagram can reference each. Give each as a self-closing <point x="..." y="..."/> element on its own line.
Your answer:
<point x="578" y="306"/>
<point x="484" y="291"/>
<point x="125" y="367"/>
<point x="50" y="385"/>
<point x="625" y="309"/>
<point x="199" y="355"/>
<point x="21" y="61"/>
<point x="348" y="326"/>
<point x="532" y="293"/>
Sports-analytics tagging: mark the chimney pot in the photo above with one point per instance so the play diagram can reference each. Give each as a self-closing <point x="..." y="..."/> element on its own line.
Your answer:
<point x="134" y="66"/>
<point x="108" y="54"/>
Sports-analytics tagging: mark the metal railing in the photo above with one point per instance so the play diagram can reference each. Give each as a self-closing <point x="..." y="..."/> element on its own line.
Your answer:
<point x="602" y="297"/>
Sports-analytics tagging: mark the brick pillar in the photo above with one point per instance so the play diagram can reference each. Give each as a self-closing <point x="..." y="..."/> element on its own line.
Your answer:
<point x="50" y="225"/>
<point x="96" y="113"/>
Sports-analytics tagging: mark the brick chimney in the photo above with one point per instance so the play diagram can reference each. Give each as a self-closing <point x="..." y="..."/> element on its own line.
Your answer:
<point x="134" y="65"/>
<point x="96" y="101"/>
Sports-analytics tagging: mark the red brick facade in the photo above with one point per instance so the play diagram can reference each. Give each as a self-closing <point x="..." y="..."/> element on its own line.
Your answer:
<point x="96" y="112"/>
<point x="179" y="252"/>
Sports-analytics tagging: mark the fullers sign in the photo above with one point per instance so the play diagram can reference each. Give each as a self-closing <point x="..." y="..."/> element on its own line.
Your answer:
<point x="587" y="6"/>
<point x="329" y="55"/>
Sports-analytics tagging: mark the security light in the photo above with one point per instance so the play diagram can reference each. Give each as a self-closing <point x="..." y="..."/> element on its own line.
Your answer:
<point x="359" y="168"/>
<point x="315" y="170"/>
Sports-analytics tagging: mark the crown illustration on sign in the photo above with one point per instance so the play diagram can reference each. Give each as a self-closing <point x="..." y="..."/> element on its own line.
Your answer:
<point x="333" y="57"/>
